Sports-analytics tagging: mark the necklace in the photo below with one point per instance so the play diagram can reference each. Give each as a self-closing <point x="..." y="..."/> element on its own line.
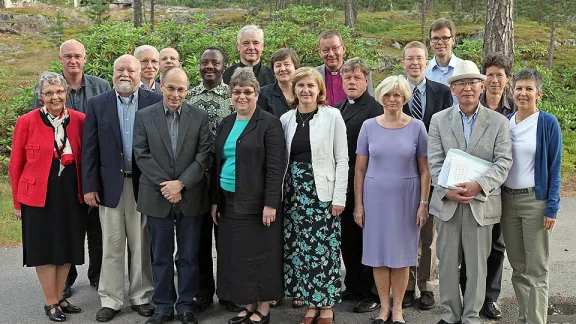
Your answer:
<point x="310" y="114"/>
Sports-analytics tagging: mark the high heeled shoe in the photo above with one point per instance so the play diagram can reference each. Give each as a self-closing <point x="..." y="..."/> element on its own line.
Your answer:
<point x="327" y="320"/>
<point x="69" y="308"/>
<point x="57" y="316"/>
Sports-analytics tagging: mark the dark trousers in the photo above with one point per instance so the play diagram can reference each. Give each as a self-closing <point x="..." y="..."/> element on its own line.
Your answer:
<point x="359" y="278"/>
<point x="207" y="286"/>
<point x="495" y="264"/>
<point x="94" y="233"/>
<point x="187" y="236"/>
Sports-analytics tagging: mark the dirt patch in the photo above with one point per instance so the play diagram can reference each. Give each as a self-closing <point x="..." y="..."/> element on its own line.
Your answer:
<point x="569" y="186"/>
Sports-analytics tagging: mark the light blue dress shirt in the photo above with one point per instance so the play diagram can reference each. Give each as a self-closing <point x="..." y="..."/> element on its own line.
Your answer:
<point x="441" y="74"/>
<point x="468" y="123"/>
<point x="422" y="89"/>
<point x="126" y="112"/>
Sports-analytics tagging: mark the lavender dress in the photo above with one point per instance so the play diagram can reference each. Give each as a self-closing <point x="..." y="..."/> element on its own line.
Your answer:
<point x="391" y="192"/>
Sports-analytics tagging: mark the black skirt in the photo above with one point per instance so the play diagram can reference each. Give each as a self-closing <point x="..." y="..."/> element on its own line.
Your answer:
<point x="249" y="256"/>
<point x="54" y="234"/>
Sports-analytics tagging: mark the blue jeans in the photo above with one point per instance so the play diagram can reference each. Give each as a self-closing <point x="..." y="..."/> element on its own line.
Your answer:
<point x="187" y="235"/>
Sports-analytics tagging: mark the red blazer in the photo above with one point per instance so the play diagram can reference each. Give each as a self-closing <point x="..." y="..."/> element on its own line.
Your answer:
<point x="32" y="155"/>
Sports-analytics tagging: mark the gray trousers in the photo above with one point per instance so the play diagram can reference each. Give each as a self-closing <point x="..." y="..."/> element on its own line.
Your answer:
<point x="528" y="246"/>
<point x="426" y="274"/>
<point x="462" y="238"/>
<point x="120" y="225"/>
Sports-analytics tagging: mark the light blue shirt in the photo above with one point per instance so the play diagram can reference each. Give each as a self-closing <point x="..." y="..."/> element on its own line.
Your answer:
<point x="468" y="123"/>
<point x="422" y="88"/>
<point x="126" y="112"/>
<point x="441" y="74"/>
<point x="228" y="172"/>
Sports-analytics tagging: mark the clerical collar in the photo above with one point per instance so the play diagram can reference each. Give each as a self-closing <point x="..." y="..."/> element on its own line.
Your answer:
<point x="351" y="101"/>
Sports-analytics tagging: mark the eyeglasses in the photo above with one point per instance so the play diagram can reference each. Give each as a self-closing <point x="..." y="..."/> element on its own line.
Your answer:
<point x="443" y="39"/>
<point x="69" y="57"/>
<point x="462" y="84"/>
<point x="171" y="89"/>
<point x="247" y="93"/>
<point x="415" y="59"/>
<point x="326" y="50"/>
<point x="51" y="93"/>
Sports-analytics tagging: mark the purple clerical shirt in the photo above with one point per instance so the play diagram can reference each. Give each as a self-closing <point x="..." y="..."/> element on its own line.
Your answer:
<point x="334" y="90"/>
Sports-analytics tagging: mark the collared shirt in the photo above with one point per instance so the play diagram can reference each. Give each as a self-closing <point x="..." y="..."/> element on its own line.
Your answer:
<point x="468" y="123"/>
<point x="422" y="88"/>
<point x="126" y="112"/>
<point x="77" y="97"/>
<point x="441" y="74"/>
<point x="145" y="87"/>
<point x="506" y="105"/>
<point x="334" y="88"/>
<point x="173" y="123"/>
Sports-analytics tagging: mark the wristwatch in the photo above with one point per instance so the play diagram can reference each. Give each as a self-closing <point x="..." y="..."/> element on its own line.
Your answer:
<point x="424" y="202"/>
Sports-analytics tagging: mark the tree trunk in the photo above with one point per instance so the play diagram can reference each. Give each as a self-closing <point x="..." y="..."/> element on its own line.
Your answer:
<point x="350" y="13"/>
<point x="423" y="20"/>
<point x="2" y="5"/>
<point x="372" y="5"/>
<point x="280" y="4"/>
<point x="152" y="3"/>
<point x="137" y="13"/>
<point x="540" y="11"/>
<point x="499" y="28"/>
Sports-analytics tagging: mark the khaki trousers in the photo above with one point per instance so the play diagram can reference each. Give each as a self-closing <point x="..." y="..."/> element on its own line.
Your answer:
<point x="528" y="250"/>
<point x="426" y="274"/>
<point x="119" y="225"/>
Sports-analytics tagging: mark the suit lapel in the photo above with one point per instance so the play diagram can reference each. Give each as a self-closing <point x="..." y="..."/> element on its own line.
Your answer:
<point x="457" y="128"/>
<point x="89" y="88"/>
<point x="352" y="111"/>
<point x="185" y="121"/>
<point x="431" y="101"/>
<point x="160" y="120"/>
<point x="143" y="100"/>
<point x="114" y="120"/>
<point x="251" y="124"/>
<point x="479" y="127"/>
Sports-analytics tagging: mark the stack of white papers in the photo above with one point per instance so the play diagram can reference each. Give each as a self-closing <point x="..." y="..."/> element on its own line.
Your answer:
<point x="460" y="167"/>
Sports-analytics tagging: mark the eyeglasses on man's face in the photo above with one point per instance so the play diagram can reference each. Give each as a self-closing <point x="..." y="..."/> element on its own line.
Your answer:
<point x="462" y="84"/>
<point x="334" y="49"/>
<point x="442" y="38"/>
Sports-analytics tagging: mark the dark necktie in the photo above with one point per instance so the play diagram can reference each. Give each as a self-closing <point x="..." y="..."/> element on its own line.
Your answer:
<point x="417" y="104"/>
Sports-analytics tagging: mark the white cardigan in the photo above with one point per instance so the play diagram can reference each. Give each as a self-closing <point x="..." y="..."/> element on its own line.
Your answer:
<point x="329" y="147"/>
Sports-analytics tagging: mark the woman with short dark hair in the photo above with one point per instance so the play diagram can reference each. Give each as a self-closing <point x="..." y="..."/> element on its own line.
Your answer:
<point x="275" y="98"/>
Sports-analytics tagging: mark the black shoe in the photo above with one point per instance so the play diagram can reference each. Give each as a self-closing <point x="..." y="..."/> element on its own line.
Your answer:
<point x="351" y="295"/>
<point x="159" y="318"/>
<point x="188" y="318"/>
<point x="67" y="292"/>
<point x="94" y="283"/>
<point x="382" y="321"/>
<point x="145" y="310"/>
<point x="240" y="319"/>
<point x="202" y="303"/>
<point x="69" y="308"/>
<point x="230" y="306"/>
<point x="263" y="319"/>
<point x="492" y="310"/>
<point x="444" y="322"/>
<point x="105" y="314"/>
<point x="57" y="316"/>
<point x="366" y="305"/>
<point x="426" y="301"/>
<point x="408" y="298"/>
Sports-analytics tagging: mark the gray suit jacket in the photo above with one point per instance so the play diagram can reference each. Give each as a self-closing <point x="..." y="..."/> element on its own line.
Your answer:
<point x="153" y="155"/>
<point x="92" y="85"/>
<point x="322" y="69"/>
<point x="490" y="140"/>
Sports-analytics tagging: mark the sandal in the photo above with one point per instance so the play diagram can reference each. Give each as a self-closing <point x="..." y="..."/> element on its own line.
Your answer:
<point x="297" y="303"/>
<point x="327" y="320"/>
<point x="311" y="320"/>
<point x="57" y="316"/>
<point x="69" y="308"/>
<point x="239" y="319"/>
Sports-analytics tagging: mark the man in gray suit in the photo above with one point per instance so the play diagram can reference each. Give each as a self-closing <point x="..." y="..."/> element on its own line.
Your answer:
<point x="466" y="215"/>
<point x="172" y="149"/>
<point x="149" y="58"/>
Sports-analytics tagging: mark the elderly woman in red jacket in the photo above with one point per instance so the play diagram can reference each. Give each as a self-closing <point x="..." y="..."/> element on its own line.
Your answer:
<point x="45" y="175"/>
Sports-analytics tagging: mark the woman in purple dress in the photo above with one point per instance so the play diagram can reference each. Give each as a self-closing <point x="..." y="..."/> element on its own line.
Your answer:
<point x="391" y="186"/>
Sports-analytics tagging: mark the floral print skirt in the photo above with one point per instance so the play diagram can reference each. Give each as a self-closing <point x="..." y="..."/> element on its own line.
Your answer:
<point x="312" y="272"/>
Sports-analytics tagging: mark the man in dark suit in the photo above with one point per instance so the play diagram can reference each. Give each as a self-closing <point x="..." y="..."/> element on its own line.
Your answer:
<point x="172" y="190"/>
<point x="358" y="107"/>
<point x="110" y="178"/>
<point x="72" y="56"/>
<point x="250" y="44"/>
<point x="428" y="98"/>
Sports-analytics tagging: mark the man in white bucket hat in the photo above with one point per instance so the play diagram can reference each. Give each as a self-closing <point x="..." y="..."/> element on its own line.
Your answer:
<point x="466" y="215"/>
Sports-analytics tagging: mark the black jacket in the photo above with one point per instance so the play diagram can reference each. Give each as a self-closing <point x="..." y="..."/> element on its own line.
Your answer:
<point x="264" y="75"/>
<point x="260" y="163"/>
<point x="272" y="100"/>
<point x="365" y="107"/>
<point x="438" y="98"/>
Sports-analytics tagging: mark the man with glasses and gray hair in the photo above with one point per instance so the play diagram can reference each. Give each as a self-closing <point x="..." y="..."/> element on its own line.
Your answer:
<point x="149" y="58"/>
<point x="250" y="45"/>
<point x="169" y="58"/>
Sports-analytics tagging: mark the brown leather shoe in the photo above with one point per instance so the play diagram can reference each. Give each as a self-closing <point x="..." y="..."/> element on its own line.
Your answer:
<point x="327" y="320"/>
<point x="311" y="320"/>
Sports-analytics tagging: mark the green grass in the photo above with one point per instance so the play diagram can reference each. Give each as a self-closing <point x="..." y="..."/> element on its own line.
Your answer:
<point x="10" y="227"/>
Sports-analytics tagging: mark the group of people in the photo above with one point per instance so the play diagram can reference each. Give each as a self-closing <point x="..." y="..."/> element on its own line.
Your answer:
<point x="289" y="167"/>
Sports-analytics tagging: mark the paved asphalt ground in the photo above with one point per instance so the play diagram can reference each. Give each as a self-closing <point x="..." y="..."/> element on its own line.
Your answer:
<point x="21" y="298"/>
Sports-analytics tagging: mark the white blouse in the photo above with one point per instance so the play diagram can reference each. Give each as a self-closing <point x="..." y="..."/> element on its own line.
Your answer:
<point x="523" y="137"/>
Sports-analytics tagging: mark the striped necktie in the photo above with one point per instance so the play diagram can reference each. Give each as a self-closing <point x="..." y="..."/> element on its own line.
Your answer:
<point x="416" y="104"/>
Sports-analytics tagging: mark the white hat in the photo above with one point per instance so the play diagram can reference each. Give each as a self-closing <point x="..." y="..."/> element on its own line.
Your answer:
<point x="466" y="70"/>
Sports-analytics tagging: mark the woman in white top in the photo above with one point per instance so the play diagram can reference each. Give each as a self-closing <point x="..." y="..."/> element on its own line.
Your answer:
<point x="531" y="196"/>
<point x="315" y="196"/>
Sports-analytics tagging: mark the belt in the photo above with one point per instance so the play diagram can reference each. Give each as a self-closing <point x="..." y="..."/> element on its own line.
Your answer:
<point x="127" y="175"/>
<point x="518" y="191"/>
